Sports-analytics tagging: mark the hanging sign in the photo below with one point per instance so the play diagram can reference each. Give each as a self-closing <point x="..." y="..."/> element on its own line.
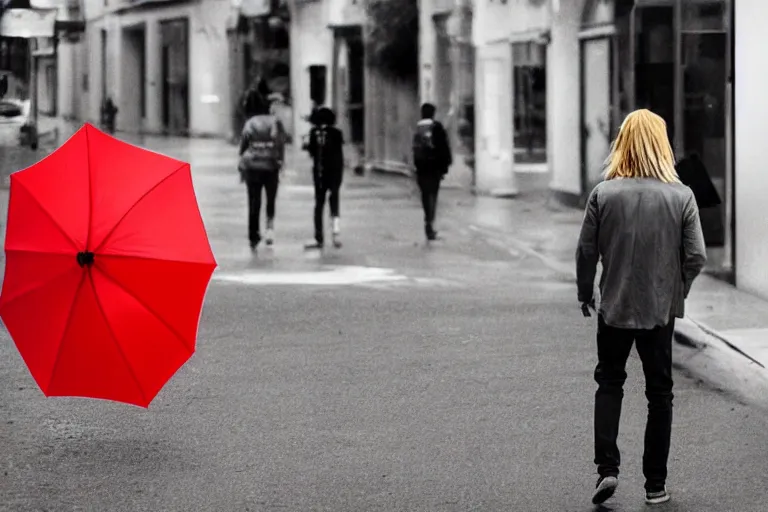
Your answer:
<point x="28" y="23"/>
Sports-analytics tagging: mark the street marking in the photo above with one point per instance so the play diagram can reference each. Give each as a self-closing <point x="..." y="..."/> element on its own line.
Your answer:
<point x="330" y="276"/>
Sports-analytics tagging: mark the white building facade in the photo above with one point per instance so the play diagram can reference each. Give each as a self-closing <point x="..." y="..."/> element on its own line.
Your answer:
<point x="163" y="64"/>
<point x="750" y="114"/>
<point x="555" y="78"/>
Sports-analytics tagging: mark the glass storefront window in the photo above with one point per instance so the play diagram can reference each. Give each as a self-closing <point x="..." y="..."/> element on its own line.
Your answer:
<point x="530" y="112"/>
<point x="704" y="65"/>
<point x="674" y="59"/>
<point x="704" y="15"/>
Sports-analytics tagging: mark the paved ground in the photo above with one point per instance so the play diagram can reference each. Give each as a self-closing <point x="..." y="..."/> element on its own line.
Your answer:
<point x="453" y="377"/>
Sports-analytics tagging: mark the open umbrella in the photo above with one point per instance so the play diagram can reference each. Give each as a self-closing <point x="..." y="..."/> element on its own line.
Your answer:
<point x="107" y="265"/>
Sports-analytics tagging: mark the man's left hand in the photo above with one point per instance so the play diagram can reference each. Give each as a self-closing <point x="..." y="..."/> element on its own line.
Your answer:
<point x="586" y="306"/>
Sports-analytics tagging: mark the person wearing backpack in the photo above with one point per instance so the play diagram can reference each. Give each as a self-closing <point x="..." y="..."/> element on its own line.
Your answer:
<point x="262" y="151"/>
<point x="432" y="159"/>
<point x="326" y="147"/>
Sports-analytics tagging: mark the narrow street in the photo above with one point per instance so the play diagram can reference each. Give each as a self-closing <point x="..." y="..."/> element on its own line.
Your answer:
<point x="387" y="375"/>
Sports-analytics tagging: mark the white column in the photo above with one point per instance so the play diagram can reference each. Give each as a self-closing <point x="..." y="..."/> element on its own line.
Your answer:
<point x="563" y="104"/>
<point x="750" y="113"/>
<point x="495" y="166"/>
<point x="154" y="92"/>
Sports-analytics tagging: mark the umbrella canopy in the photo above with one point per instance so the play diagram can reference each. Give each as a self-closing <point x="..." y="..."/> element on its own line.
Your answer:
<point x="107" y="265"/>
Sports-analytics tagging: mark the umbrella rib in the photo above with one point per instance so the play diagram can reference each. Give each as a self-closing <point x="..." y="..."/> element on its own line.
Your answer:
<point x="35" y="251"/>
<point x="147" y="258"/>
<point x="90" y="190"/>
<point x="52" y="280"/>
<point x="67" y="326"/>
<point x="114" y="338"/>
<point x="147" y="307"/>
<point x="50" y="217"/>
<point x="139" y="200"/>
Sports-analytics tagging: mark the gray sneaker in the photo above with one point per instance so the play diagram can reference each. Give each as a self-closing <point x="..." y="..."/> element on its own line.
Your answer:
<point x="604" y="489"/>
<point x="655" y="496"/>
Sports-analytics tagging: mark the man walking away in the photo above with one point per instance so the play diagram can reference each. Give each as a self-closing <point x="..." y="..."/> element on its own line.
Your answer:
<point x="432" y="158"/>
<point x="262" y="151"/>
<point x="643" y="224"/>
<point x="326" y="146"/>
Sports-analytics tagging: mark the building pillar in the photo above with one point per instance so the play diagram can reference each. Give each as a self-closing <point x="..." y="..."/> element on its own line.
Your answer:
<point x="563" y="104"/>
<point x="153" y="122"/>
<point x="66" y="78"/>
<point x="750" y="180"/>
<point x="93" y="63"/>
<point x="459" y="28"/>
<point x="494" y="151"/>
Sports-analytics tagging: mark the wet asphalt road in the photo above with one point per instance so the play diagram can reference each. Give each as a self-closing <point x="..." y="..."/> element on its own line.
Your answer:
<point x="458" y="378"/>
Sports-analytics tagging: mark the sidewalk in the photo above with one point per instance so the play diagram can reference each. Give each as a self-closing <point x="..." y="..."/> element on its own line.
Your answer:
<point x="717" y="313"/>
<point x="53" y="131"/>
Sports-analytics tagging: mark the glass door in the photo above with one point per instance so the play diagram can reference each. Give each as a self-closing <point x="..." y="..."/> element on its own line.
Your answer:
<point x="704" y="68"/>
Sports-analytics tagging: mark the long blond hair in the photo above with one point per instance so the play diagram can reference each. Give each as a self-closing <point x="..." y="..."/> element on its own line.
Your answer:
<point x="642" y="149"/>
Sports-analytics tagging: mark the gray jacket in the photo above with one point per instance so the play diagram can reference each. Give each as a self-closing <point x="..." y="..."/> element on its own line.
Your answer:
<point x="647" y="235"/>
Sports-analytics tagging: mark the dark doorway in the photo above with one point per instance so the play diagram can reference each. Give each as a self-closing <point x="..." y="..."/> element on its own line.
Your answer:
<point x="317" y="84"/>
<point x="356" y="100"/>
<point x="175" y="73"/>
<point x="103" y="65"/>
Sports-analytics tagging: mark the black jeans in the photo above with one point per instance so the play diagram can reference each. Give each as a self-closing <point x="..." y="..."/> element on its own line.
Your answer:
<point x="323" y="190"/>
<point x="429" y="185"/>
<point x="255" y="182"/>
<point x="654" y="346"/>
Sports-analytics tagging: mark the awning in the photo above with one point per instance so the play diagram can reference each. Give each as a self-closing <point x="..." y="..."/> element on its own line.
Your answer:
<point x="46" y="4"/>
<point x="28" y="23"/>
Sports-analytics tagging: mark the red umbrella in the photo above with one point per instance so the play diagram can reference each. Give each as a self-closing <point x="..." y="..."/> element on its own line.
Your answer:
<point x="107" y="265"/>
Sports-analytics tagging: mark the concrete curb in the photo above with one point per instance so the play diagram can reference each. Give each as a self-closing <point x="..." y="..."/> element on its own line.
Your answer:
<point x="714" y="362"/>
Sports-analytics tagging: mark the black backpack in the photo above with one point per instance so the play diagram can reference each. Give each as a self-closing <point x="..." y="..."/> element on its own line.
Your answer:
<point x="424" y="150"/>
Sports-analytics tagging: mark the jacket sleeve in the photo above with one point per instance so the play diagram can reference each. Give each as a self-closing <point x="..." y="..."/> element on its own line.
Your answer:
<point x="312" y="145"/>
<point x="445" y="146"/>
<point x="282" y="136"/>
<point x="245" y="139"/>
<point x="694" y="251"/>
<point x="340" y="138"/>
<point x="587" y="252"/>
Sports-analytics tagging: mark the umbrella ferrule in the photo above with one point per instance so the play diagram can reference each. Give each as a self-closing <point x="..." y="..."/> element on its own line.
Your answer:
<point x="85" y="258"/>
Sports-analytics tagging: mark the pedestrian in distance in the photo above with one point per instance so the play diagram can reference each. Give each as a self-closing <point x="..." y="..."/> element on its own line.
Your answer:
<point x="643" y="225"/>
<point x="262" y="152"/>
<point x="326" y="147"/>
<point x="432" y="158"/>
